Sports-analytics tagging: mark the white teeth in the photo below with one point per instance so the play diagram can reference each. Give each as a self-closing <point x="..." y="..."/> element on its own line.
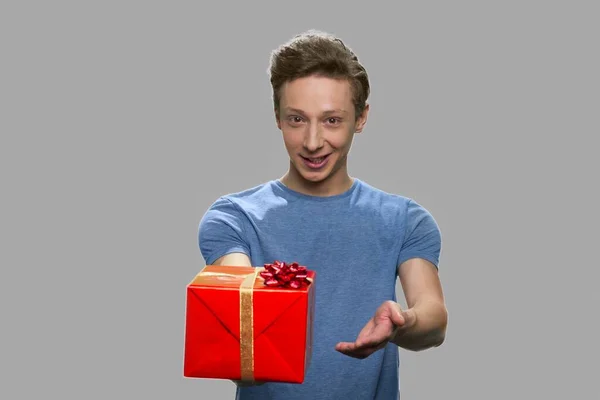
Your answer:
<point x="316" y="160"/>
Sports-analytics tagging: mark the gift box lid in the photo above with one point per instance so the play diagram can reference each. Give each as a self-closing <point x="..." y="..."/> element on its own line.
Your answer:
<point x="231" y="277"/>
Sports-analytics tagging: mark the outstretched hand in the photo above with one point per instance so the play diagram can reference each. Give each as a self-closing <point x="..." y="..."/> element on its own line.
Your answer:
<point x="248" y="384"/>
<point x="388" y="320"/>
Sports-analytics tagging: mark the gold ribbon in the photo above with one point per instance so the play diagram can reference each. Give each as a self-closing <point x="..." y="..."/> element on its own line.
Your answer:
<point x="246" y="319"/>
<point x="247" y="326"/>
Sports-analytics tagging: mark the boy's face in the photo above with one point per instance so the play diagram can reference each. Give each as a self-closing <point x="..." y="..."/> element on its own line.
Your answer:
<point x="317" y="119"/>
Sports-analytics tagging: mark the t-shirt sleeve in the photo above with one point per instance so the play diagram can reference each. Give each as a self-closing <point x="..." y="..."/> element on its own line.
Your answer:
<point x="422" y="237"/>
<point x="221" y="231"/>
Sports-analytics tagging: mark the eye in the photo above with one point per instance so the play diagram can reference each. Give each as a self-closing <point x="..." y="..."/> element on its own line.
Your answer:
<point x="333" y="121"/>
<point x="294" y="119"/>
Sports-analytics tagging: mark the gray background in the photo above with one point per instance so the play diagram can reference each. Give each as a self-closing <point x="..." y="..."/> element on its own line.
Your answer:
<point x="123" y="121"/>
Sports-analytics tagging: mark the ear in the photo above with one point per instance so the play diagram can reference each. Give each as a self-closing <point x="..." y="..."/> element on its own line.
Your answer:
<point x="362" y="119"/>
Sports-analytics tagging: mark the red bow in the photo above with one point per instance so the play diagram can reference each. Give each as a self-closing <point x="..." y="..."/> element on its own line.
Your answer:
<point x="285" y="275"/>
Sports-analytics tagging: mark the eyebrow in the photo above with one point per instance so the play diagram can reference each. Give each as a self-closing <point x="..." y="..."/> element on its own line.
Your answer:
<point x="328" y="112"/>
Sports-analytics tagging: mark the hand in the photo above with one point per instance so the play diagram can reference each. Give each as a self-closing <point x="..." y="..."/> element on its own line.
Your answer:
<point x="247" y="383"/>
<point x="388" y="321"/>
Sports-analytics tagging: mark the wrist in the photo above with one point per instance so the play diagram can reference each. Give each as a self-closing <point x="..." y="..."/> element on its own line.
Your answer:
<point x="426" y="329"/>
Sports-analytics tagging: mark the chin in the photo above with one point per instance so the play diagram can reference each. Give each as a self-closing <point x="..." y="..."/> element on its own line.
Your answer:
<point x="315" y="177"/>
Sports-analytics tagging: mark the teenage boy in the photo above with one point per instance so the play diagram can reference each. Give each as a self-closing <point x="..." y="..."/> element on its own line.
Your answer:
<point x="357" y="238"/>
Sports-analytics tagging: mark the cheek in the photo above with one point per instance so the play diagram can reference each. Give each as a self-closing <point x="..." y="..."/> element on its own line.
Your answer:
<point x="340" y="140"/>
<point x="292" y="140"/>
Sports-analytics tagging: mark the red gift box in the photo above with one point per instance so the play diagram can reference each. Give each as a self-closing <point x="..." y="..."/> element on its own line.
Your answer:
<point x="244" y="326"/>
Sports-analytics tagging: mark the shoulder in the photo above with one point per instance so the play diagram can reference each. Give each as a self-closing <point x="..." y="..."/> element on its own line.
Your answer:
<point x="227" y="217"/>
<point x="250" y="192"/>
<point x="248" y="200"/>
<point x="399" y="208"/>
<point x="383" y="200"/>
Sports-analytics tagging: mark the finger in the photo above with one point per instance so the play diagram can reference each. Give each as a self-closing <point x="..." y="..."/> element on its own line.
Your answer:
<point x="346" y="346"/>
<point x="372" y="340"/>
<point x="359" y="350"/>
<point x="359" y="353"/>
<point x="248" y="383"/>
<point x="351" y="350"/>
<point x="377" y="336"/>
<point x="382" y="332"/>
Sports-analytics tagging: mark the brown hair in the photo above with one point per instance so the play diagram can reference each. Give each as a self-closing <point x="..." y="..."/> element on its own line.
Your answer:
<point x="318" y="53"/>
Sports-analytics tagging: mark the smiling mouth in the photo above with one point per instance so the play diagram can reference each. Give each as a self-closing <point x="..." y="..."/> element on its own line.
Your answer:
<point x="315" y="163"/>
<point x="316" y="160"/>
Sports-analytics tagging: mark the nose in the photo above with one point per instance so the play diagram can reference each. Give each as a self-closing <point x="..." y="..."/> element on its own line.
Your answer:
<point x="313" y="140"/>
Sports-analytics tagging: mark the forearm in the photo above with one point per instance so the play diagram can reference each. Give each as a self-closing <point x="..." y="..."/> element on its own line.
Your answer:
<point x="428" y="330"/>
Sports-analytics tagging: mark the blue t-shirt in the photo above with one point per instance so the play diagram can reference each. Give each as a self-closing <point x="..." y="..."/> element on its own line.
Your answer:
<point x="355" y="242"/>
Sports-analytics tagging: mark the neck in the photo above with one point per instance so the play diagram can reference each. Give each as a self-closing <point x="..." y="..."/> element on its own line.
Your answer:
<point x="333" y="185"/>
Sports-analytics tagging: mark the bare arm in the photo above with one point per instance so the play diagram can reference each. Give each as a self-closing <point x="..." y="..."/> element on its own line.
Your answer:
<point x="234" y="259"/>
<point x="426" y="306"/>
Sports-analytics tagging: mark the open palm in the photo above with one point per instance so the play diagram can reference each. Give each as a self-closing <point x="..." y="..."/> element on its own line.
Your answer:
<point x="377" y="333"/>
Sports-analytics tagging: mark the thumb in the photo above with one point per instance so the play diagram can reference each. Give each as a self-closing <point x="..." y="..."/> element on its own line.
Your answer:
<point x="409" y="317"/>
<point x="397" y="315"/>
